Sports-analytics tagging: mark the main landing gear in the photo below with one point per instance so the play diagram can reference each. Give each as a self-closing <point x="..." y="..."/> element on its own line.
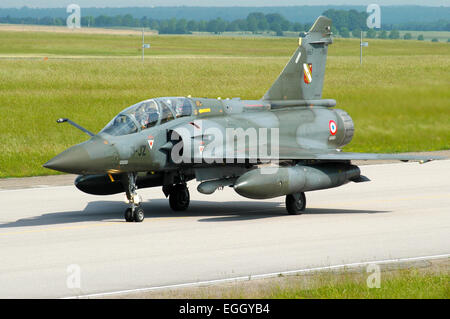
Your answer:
<point x="135" y="213"/>
<point x="178" y="194"/>
<point x="179" y="197"/>
<point x="295" y="203"/>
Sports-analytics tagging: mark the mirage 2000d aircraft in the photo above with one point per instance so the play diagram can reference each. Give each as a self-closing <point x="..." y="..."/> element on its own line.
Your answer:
<point x="285" y="144"/>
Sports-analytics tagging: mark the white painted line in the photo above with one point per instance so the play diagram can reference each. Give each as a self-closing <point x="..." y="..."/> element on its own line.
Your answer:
<point x="398" y="162"/>
<point x="260" y="276"/>
<point x="298" y="57"/>
<point x="35" y="188"/>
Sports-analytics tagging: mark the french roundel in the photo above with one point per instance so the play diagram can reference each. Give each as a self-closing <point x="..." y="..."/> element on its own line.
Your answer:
<point x="333" y="127"/>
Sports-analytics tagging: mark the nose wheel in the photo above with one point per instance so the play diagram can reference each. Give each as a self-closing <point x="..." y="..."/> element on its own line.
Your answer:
<point x="295" y="203"/>
<point x="134" y="213"/>
<point x="136" y="216"/>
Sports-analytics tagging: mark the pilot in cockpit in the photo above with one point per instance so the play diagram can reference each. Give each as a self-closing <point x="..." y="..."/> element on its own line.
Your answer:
<point x="183" y="109"/>
<point x="147" y="114"/>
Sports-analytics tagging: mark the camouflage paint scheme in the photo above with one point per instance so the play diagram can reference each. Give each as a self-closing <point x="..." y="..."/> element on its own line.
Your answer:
<point x="310" y="134"/>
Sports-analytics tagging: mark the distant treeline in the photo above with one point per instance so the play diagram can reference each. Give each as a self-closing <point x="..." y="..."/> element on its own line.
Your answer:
<point x="390" y="14"/>
<point x="254" y="22"/>
<point x="345" y="23"/>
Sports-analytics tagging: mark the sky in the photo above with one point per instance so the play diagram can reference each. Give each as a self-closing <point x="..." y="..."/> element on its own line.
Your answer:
<point x="223" y="3"/>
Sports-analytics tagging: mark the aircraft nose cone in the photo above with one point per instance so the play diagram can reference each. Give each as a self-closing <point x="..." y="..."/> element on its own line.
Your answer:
<point x="71" y="160"/>
<point x="90" y="157"/>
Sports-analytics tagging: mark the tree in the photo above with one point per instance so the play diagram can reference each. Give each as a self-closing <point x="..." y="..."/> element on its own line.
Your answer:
<point x="242" y="24"/>
<point x="202" y="25"/>
<point x="344" y="32"/>
<point x="212" y="26"/>
<point x="371" y="34"/>
<point x="172" y="26"/>
<point x="252" y="24"/>
<point x="285" y="25"/>
<point x="276" y="22"/>
<point x="435" y="40"/>
<point x="407" y="36"/>
<point x="181" y="26"/>
<point x="221" y="25"/>
<point x="192" y="26"/>
<point x="420" y="37"/>
<point x="145" y="22"/>
<point x="297" y="27"/>
<point x="260" y="19"/>
<point x="356" y="20"/>
<point x="163" y="27"/>
<point x="350" y="19"/>
<point x="383" y="34"/>
<point x="274" y="18"/>
<point x="276" y="28"/>
<point x="127" y="20"/>
<point x="334" y="30"/>
<point x="356" y="33"/>
<point x="217" y="26"/>
<point x="59" y="21"/>
<point x="154" y="25"/>
<point x="233" y="26"/>
<point x="394" y="34"/>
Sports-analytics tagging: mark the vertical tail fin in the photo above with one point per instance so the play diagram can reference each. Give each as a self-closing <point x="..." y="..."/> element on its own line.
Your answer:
<point x="302" y="78"/>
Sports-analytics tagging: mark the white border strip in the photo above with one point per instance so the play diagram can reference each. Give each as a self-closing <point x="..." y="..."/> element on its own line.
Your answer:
<point x="260" y="276"/>
<point x="42" y="188"/>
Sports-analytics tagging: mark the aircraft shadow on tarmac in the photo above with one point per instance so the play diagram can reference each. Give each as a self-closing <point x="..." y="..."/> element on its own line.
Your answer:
<point x="159" y="208"/>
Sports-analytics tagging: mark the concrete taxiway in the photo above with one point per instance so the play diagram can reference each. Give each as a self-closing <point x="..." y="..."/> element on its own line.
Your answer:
<point x="54" y="239"/>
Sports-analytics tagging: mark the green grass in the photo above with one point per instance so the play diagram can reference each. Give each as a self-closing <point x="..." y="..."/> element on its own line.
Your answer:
<point x="409" y="284"/>
<point x="64" y="44"/>
<point x="399" y="98"/>
<point x="406" y="282"/>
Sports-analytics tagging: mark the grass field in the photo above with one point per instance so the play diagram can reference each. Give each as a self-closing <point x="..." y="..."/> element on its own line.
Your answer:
<point x="414" y="281"/>
<point x="399" y="98"/>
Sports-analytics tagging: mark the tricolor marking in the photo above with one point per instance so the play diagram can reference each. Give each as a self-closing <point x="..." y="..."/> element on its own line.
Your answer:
<point x="333" y="127"/>
<point x="307" y="71"/>
<point x="150" y="142"/>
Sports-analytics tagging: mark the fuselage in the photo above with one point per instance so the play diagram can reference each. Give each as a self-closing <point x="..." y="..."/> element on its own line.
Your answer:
<point x="130" y="143"/>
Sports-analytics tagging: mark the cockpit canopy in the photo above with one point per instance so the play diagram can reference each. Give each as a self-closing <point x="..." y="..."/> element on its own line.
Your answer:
<point x="148" y="113"/>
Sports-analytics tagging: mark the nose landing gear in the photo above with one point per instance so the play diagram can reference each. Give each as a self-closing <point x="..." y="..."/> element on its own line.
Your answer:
<point x="135" y="212"/>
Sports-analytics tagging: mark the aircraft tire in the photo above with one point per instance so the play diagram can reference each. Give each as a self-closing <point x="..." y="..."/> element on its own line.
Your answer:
<point x="128" y="215"/>
<point x="139" y="214"/>
<point x="179" y="197"/>
<point x="295" y="206"/>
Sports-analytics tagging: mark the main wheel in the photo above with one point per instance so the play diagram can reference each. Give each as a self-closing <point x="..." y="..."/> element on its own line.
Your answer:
<point x="139" y="214"/>
<point x="179" y="197"/>
<point x="295" y="203"/>
<point x="128" y="215"/>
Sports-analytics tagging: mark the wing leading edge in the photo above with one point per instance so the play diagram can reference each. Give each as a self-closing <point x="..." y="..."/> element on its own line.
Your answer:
<point x="287" y="153"/>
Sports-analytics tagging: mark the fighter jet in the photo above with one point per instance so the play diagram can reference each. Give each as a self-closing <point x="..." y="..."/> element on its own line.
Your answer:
<point x="284" y="144"/>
